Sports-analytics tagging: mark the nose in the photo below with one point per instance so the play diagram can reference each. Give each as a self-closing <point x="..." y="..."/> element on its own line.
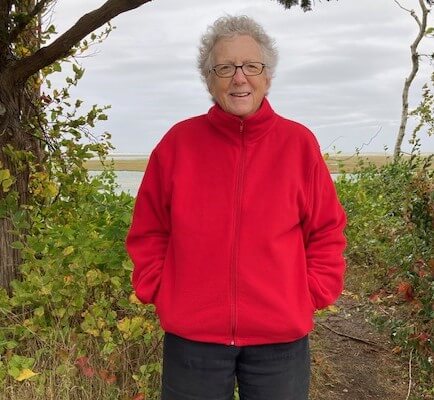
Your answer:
<point x="239" y="78"/>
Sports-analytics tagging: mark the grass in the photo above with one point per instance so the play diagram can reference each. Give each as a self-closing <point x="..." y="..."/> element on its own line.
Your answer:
<point x="119" y="165"/>
<point x="348" y="162"/>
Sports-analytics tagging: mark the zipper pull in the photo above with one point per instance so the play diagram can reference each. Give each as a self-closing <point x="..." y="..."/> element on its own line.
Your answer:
<point x="241" y="126"/>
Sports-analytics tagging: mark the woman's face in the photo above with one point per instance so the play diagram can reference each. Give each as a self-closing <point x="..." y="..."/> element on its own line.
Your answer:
<point x="240" y="95"/>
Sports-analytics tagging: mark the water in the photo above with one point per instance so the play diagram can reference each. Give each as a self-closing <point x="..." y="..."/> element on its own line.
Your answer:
<point x="129" y="181"/>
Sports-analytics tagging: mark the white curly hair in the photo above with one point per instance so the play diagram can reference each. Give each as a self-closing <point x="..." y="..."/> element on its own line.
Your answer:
<point x="230" y="26"/>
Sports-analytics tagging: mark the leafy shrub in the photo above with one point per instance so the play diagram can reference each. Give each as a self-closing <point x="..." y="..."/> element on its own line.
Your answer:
<point x="72" y="321"/>
<point x="390" y="248"/>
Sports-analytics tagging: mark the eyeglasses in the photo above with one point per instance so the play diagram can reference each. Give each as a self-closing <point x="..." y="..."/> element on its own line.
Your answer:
<point x="229" y="70"/>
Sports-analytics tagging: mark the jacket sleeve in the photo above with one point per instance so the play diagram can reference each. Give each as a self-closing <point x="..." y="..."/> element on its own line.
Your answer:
<point x="324" y="239"/>
<point x="148" y="236"/>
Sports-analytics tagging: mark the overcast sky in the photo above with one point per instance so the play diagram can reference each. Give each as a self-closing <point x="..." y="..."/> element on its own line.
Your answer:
<point x="341" y="68"/>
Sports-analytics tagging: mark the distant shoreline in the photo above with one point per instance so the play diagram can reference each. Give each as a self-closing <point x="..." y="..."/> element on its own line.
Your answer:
<point x="123" y="162"/>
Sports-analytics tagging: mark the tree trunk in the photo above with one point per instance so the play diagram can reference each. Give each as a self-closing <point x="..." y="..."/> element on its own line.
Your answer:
<point x="19" y="103"/>
<point x="415" y="67"/>
<point x="12" y="135"/>
<point x="10" y="257"/>
<point x="16" y="103"/>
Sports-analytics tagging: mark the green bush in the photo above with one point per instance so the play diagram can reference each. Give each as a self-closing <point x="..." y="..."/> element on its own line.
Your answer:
<point x="390" y="248"/>
<point x="72" y="320"/>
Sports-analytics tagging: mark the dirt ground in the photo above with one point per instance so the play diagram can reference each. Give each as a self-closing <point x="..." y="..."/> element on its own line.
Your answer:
<point x="344" y="367"/>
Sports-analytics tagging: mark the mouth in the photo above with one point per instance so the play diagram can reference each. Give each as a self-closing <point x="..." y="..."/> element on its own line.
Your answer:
<point x="241" y="94"/>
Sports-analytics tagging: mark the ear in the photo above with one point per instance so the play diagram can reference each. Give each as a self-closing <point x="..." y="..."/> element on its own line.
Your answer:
<point x="268" y="82"/>
<point x="210" y="85"/>
<point x="267" y="85"/>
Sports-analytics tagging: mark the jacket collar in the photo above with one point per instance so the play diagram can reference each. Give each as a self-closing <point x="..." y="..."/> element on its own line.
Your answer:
<point x="253" y="128"/>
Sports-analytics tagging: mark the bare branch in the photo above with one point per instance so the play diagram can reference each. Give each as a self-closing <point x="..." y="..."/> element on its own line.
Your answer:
<point x="400" y="6"/>
<point x="333" y="141"/>
<point x="25" y="22"/>
<point x="409" y="375"/>
<point x="414" y="15"/>
<point x="357" y="339"/>
<point x="412" y="12"/>
<point x="22" y="69"/>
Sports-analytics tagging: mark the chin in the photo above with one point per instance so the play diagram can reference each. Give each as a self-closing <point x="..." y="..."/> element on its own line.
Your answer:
<point x="242" y="112"/>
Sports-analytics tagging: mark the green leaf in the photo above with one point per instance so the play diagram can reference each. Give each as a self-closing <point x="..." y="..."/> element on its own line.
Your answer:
<point x="17" y="245"/>
<point x="116" y="282"/>
<point x="57" y="67"/>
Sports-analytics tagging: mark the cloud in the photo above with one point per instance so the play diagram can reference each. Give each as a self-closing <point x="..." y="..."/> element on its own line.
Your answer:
<point x="341" y="67"/>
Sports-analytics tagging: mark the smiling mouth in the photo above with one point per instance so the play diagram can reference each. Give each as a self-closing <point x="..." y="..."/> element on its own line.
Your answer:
<point x="244" y="94"/>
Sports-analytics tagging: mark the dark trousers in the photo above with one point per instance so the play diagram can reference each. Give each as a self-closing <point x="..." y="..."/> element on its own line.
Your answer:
<point x="207" y="371"/>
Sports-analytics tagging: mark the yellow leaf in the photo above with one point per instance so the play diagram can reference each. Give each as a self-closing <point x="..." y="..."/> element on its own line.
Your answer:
<point x="6" y="179"/>
<point x="45" y="290"/>
<point x="4" y="174"/>
<point x="124" y="325"/>
<point x="6" y="184"/>
<point x="68" y="250"/>
<point x="333" y="309"/>
<point x="149" y="327"/>
<point x="39" y="312"/>
<point x="40" y="176"/>
<point x="25" y="374"/>
<point x="22" y="50"/>
<point x="93" y="277"/>
<point x="133" y="299"/>
<point x="93" y="332"/>
<point x="100" y="323"/>
<point x="51" y="189"/>
<point x="327" y="311"/>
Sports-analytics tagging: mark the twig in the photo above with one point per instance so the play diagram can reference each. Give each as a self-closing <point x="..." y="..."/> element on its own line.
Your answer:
<point x="152" y="351"/>
<point x="357" y="305"/>
<point x="371" y="139"/>
<point x="406" y="9"/>
<point x="384" y="311"/>
<point x="348" y="336"/>
<point x="357" y="149"/>
<point x="409" y="375"/>
<point x="335" y="140"/>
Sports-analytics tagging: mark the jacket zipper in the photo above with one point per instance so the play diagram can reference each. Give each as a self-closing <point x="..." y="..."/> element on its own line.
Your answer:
<point x="237" y="234"/>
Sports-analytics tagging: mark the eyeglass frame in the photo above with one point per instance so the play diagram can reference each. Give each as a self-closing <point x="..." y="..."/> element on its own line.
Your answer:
<point x="239" y="66"/>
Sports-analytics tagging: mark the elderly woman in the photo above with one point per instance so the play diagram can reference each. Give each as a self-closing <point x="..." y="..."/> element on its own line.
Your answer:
<point x="237" y="233"/>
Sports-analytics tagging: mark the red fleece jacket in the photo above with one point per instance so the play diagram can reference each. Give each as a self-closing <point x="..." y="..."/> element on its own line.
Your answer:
<point x="237" y="232"/>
